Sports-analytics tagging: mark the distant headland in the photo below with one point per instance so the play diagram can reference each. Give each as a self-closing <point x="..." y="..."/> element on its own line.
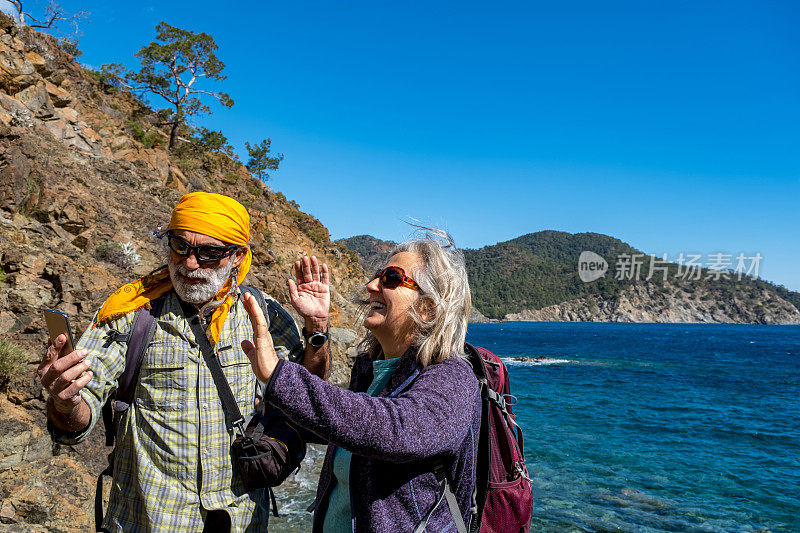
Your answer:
<point x="590" y="277"/>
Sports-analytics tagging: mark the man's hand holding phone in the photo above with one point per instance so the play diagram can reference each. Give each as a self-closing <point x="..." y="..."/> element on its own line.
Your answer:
<point x="63" y="378"/>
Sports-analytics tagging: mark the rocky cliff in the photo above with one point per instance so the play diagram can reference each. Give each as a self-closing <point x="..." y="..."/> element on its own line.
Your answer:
<point x="79" y="198"/>
<point x="646" y="302"/>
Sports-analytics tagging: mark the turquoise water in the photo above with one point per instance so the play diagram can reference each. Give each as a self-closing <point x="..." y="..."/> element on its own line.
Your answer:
<point x="657" y="427"/>
<point x="645" y="427"/>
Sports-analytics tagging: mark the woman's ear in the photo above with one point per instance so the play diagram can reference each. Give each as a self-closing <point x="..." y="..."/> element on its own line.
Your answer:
<point x="426" y="309"/>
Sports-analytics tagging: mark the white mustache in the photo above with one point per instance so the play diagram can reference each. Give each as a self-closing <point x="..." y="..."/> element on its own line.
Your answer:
<point x="200" y="273"/>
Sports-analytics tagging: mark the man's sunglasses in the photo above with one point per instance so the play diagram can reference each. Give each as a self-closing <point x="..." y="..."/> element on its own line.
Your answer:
<point x="202" y="252"/>
<point x="392" y="277"/>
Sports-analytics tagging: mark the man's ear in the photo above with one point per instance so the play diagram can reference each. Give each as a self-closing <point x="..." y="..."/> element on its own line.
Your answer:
<point x="238" y="257"/>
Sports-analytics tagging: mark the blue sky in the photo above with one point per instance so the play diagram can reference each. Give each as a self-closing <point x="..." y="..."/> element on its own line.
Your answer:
<point x="672" y="126"/>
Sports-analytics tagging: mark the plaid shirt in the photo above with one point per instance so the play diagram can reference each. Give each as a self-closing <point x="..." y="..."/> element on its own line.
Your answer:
<point x="173" y="460"/>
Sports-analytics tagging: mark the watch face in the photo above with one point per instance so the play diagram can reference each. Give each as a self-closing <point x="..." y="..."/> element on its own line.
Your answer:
<point x="317" y="339"/>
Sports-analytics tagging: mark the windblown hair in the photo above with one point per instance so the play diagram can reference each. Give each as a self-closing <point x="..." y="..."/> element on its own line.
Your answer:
<point x="445" y="298"/>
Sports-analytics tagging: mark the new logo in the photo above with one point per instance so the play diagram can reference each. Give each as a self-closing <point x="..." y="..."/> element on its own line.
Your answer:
<point x="591" y="267"/>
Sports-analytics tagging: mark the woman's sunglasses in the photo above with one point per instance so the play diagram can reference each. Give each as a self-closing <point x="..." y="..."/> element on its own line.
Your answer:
<point x="392" y="277"/>
<point x="203" y="252"/>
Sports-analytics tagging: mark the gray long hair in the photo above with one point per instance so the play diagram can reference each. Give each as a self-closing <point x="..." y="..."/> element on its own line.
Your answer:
<point x="445" y="298"/>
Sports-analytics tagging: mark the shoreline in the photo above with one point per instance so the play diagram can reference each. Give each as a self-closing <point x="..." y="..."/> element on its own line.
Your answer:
<point x="507" y="321"/>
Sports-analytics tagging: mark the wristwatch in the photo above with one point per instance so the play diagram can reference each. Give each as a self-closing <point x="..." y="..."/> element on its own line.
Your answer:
<point x="316" y="339"/>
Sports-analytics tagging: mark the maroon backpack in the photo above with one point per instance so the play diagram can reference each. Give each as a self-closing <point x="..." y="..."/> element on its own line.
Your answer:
<point x="502" y="501"/>
<point x="503" y="494"/>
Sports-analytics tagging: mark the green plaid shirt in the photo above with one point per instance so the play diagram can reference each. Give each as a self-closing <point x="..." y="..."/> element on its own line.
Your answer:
<point x="173" y="461"/>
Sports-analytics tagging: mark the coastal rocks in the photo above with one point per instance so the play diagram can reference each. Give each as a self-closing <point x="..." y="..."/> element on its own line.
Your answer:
<point x="538" y="360"/>
<point x="476" y="316"/>
<point x="646" y="303"/>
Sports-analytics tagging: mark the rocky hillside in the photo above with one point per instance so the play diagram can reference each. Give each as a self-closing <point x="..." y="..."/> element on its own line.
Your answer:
<point x="535" y="277"/>
<point x="372" y="252"/>
<point x="80" y="195"/>
<point x="650" y="302"/>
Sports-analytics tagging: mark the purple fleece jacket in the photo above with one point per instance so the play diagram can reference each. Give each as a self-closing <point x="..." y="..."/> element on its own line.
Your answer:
<point x="394" y="441"/>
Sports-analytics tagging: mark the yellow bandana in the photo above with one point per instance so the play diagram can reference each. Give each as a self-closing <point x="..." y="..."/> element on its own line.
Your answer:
<point x="211" y="214"/>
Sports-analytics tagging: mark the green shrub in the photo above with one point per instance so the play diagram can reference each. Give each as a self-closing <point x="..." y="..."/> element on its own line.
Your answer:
<point x="70" y="46"/>
<point x="319" y="235"/>
<point x="124" y="255"/>
<point x="148" y="138"/>
<point x="13" y="364"/>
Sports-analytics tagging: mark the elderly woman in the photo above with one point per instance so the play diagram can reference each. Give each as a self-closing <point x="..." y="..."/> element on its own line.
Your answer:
<point x="412" y="412"/>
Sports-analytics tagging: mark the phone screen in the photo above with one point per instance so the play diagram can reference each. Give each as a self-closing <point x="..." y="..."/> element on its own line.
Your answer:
<point x="58" y="323"/>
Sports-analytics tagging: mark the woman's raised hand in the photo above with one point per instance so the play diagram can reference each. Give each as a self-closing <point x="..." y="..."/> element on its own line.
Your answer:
<point x="310" y="294"/>
<point x="261" y="351"/>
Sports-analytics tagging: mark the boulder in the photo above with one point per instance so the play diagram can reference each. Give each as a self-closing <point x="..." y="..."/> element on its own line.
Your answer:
<point x="39" y="63"/>
<point x="16" y="72"/>
<point x="156" y="159"/>
<point x="344" y="336"/>
<point x="176" y="180"/>
<point x="16" y="110"/>
<point x="68" y="114"/>
<point x="36" y="99"/>
<point x="59" y="96"/>
<point x="60" y="129"/>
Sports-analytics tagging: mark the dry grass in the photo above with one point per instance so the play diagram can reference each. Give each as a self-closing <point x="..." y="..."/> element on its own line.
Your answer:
<point x="13" y="364"/>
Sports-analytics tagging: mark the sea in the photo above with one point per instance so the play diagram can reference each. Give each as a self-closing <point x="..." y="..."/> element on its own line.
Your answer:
<point x="643" y="427"/>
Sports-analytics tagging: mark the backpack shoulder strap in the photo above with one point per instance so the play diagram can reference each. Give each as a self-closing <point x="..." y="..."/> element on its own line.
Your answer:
<point x="258" y="295"/>
<point x="473" y="357"/>
<point x="483" y="460"/>
<point x="141" y="333"/>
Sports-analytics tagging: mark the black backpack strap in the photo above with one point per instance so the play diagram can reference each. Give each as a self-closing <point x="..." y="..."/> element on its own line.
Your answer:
<point x="141" y="333"/>
<point x="233" y="416"/>
<point x="483" y="459"/>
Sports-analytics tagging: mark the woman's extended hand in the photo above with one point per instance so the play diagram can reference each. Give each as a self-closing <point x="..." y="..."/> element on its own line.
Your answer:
<point x="261" y="351"/>
<point x="311" y="295"/>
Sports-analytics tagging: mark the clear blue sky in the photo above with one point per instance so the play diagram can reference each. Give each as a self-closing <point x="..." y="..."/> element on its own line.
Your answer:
<point x="672" y="125"/>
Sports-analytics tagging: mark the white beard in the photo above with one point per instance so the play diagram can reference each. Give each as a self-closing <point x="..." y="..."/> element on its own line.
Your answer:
<point x="199" y="293"/>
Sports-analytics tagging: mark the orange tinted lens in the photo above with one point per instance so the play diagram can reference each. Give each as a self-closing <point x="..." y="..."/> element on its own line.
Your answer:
<point x="391" y="277"/>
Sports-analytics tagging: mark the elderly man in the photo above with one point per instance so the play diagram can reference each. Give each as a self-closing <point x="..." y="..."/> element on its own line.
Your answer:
<point x="173" y="469"/>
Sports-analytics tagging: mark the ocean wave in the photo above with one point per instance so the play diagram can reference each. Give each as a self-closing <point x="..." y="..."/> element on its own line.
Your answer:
<point x="534" y="361"/>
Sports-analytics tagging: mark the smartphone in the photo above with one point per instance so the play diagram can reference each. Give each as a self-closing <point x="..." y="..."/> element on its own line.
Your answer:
<point x="58" y="323"/>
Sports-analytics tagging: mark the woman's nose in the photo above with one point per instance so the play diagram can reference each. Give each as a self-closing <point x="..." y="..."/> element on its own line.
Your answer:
<point x="374" y="285"/>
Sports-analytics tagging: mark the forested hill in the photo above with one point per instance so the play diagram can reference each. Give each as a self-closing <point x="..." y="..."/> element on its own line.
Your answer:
<point x="536" y="277"/>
